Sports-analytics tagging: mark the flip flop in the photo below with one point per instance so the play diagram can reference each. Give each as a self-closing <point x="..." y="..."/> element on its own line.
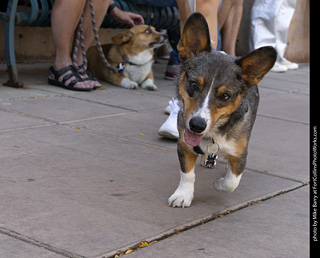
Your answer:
<point x="58" y="73"/>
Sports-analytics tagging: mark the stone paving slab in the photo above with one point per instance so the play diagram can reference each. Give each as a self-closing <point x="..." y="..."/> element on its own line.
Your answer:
<point x="286" y="106"/>
<point x="280" y="148"/>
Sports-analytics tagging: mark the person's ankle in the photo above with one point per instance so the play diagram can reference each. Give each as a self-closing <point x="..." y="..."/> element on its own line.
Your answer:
<point x="59" y="64"/>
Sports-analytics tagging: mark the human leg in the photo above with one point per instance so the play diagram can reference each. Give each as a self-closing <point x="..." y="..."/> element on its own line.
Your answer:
<point x="63" y="25"/>
<point x="263" y="23"/>
<point x="184" y="12"/>
<point x="283" y="20"/>
<point x="229" y="18"/>
<point x="209" y="9"/>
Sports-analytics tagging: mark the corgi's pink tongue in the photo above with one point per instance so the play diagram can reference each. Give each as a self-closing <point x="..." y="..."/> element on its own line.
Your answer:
<point x="191" y="138"/>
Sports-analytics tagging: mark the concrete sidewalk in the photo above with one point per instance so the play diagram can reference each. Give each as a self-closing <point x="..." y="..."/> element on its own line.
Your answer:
<point x="86" y="175"/>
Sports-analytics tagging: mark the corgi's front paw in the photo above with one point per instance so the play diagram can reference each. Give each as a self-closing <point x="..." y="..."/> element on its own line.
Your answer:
<point x="181" y="198"/>
<point x="183" y="195"/>
<point x="126" y="83"/>
<point x="149" y="85"/>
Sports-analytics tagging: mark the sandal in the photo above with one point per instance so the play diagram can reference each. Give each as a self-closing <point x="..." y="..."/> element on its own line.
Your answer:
<point x="71" y="86"/>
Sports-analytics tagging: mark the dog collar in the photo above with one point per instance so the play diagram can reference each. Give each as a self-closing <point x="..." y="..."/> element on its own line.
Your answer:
<point x="122" y="65"/>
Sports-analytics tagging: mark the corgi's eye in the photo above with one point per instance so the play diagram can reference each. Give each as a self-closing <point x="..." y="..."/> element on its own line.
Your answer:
<point x="193" y="85"/>
<point x="225" y="96"/>
<point x="148" y="31"/>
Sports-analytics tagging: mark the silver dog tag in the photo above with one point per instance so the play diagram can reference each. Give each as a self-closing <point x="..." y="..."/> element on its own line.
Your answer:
<point x="211" y="159"/>
<point x="212" y="147"/>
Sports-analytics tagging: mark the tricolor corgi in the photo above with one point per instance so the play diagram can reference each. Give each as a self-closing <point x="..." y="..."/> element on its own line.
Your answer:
<point x="220" y="97"/>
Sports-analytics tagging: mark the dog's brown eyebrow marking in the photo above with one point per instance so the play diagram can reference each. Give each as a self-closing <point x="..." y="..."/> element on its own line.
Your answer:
<point x="222" y="89"/>
<point x="201" y="82"/>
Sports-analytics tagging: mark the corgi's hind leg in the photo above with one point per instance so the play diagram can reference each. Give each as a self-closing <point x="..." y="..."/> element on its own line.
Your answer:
<point x="231" y="180"/>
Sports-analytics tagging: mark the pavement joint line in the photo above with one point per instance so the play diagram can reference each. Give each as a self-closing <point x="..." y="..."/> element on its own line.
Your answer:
<point x="282" y="119"/>
<point x="267" y="173"/>
<point x="283" y="91"/>
<point x="28" y="115"/>
<point x="120" y="107"/>
<point x="198" y="222"/>
<point x="127" y="140"/>
<point x="37" y="243"/>
<point x="275" y="175"/>
<point x="147" y="144"/>
<point x="96" y="117"/>
<point x="27" y="128"/>
<point x="100" y="103"/>
<point x="31" y="97"/>
<point x="286" y="80"/>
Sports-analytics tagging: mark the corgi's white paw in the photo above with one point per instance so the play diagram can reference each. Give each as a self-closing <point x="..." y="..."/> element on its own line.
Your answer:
<point x="181" y="198"/>
<point x="227" y="184"/>
<point x="183" y="195"/>
<point x="149" y="85"/>
<point x="126" y="83"/>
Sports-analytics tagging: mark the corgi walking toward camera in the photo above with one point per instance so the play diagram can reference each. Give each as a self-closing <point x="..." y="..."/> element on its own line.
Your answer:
<point x="219" y="98"/>
<point x="132" y="54"/>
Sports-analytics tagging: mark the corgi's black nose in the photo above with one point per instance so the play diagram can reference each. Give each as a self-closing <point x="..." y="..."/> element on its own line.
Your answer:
<point x="197" y="124"/>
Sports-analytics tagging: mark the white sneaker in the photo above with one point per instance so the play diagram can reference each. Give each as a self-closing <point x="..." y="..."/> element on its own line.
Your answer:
<point x="169" y="128"/>
<point x="278" y="68"/>
<point x="289" y="65"/>
<point x="167" y="110"/>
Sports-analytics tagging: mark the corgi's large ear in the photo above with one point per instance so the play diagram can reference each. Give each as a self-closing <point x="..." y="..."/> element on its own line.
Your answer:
<point x="256" y="64"/>
<point x="122" y="38"/>
<point x="195" y="37"/>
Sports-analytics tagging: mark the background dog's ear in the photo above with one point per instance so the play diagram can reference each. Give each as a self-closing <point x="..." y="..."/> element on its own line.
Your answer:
<point x="195" y="37"/>
<point x="122" y="38"/>
<point x="256" y="64"/>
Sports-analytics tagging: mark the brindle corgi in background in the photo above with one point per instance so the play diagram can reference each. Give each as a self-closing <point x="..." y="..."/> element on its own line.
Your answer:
<point x="220" y="97"/>
<point x="132" y="52"/>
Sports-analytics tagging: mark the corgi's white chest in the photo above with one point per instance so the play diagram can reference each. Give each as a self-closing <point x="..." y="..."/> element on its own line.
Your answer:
<point x="140" y="68"/>
<point x="226" y="146"/>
